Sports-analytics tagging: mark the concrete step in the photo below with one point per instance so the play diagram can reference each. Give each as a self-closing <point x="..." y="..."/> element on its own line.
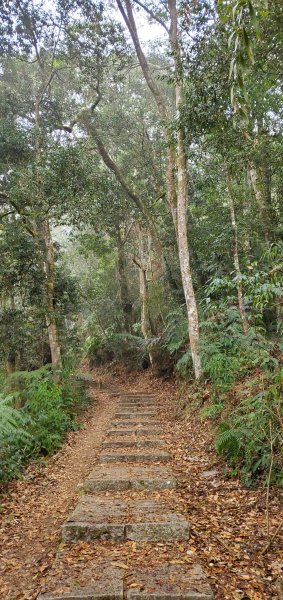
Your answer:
<point x="134" y="414"/>
<point x="141" y="401"/>
<point x="138" y="520"/>
<point x="133" y="442"/>
<point x="164" y="581"/>
<point x="132" y="456"/>
<point x="135" y="421"/>
<point x="168" y="582"/>
<point x="106" y="584"/>
<point x="141" y="395"/>
<point x="139" y="431"/>
<point x="137" y="405"/>
<point x="129" y="477"/>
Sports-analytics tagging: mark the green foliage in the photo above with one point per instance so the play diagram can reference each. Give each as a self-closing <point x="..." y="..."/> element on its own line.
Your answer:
<point x="227" y="353"/>
<point x="10" y="419"/>
<point x="37" y="428"/>
<point x="212" y="411"/>
<point x="251" y="438"/>
<point x="128" y="349"/>
<point x="176" y="330"/>
<point x="184" y="364"/>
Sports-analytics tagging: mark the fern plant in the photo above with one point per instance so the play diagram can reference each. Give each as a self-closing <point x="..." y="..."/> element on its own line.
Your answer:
<point x="229" y="439"/>
<point x="10" y="418"/>
<point x="252" y="436"/>
<point x="212" y="410"/>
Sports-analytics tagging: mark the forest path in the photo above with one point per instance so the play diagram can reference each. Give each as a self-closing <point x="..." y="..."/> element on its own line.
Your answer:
<point x="227" y="521"/>
<point x="128" y="537"/>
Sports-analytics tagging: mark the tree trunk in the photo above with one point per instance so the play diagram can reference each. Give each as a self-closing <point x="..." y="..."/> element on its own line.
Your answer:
<point x="10" y="364"/>
<point x="50" y="315"/>
<point x="259" y="192"/>
<point x="182" y="199"/>
<point x="145" y="318"/>
<point x="236" y="259"/>
<point x="126" y="303"/>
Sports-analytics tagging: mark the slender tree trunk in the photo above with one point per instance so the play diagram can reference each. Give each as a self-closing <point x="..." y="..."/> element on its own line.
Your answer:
<point x="126" y="303"/>
<point x="44" y="234"/>
<point x="259" y="192"/>
<point x="242" y="310"/>
<point x="50" y="315"/>
<point x="182" y="199"/>
<point x="145" y="318"/>
<point x="10" y="364"/>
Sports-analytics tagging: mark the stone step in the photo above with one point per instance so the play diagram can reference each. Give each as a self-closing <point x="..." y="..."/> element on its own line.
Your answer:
<point x="129" y="477"/>
<point x="143" y="401"/>
<point x="164" y="581"/>
<point x="133" y="456"/>
<point x="132" y="442"/>
<point x="146" y="404"/>
<point x="106" y="584"/>
<point x="137" y="405"/>
<point x="134" y="414"/>
<point x="141" y="421"/>
<point x="168" y="582"/>
<point x="138" y="520"/>
<point x="137" y="395"/>
<point x="136" y="431"/>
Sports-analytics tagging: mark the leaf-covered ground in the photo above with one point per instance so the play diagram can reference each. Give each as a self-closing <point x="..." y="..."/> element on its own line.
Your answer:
<point x="228" y="522"/>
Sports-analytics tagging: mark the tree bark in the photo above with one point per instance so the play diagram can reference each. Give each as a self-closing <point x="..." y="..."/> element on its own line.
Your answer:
<point x="182" y="199"/>
<point x="129" y="19"/>
<point x="126" y="303"/>
<point x="259" y="192"/>
<point x="145" y="318"/>
<point x="49" y="286"/>
<point x="242" y="310"/>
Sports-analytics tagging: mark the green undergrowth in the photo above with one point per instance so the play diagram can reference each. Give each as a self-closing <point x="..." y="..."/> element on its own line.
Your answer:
<point x="241" y="395"/>
<point x="35" y="414"/>
<point x="246" y="421"/>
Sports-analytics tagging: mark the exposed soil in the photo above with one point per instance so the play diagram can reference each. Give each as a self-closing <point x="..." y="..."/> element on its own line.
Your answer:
<point x="228" y="522"/>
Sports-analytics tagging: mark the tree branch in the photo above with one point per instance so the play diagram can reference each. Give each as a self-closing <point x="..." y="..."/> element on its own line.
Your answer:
<point x="152" y="15"/>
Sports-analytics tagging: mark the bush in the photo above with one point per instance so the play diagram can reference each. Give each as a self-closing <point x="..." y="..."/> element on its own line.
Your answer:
<point x="37" y="428"/>
<point x="252" y="436"/>
<point x="228" y="354"/>
<point x="126" y="348"/>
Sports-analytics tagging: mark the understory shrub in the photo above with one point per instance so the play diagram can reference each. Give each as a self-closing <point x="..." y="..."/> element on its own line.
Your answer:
<point x="45" y="411"/>
<point x="251" y="436"/>
<point x="228" y="354"/>
<point x="128" y="349"/>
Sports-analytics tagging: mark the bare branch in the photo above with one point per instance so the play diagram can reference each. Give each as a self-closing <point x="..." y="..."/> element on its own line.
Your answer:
<point x="152" y="15"/>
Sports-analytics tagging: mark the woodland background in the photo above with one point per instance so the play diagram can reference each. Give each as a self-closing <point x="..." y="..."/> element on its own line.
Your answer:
<point x="141" y="215"/>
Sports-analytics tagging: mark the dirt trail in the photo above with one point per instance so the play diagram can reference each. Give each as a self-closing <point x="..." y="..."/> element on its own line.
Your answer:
<point x="33" y="510"/>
